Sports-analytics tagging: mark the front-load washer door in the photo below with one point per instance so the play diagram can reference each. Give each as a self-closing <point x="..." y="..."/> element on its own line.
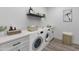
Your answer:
<point x="37" y="43"/>
<point x="47" y="37"/>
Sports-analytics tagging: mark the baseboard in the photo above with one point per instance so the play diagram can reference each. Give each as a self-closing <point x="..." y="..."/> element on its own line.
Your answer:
<point x="57" y="38"/>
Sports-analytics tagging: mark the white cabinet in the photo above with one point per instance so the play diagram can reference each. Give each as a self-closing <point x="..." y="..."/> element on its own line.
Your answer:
<point x="16" y="44"/>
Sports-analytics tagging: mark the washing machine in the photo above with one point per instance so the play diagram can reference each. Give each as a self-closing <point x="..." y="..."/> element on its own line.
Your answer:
<point x="37" y="40"/>
<point x="49" y="35"/>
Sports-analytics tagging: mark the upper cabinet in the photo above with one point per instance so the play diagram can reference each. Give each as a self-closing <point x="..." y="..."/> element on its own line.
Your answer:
<point x="31" y="12"/>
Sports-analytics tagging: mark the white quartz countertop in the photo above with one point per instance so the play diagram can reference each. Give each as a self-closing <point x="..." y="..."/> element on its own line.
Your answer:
<point x="8" y="38"/>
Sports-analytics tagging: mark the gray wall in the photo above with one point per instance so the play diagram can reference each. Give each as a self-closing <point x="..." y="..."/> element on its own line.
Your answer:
<point x="55" y="16"/>
<point x="16" y="16"/>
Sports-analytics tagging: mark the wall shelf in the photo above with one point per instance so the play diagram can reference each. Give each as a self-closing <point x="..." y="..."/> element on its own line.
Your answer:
<point x="35" y="15"/>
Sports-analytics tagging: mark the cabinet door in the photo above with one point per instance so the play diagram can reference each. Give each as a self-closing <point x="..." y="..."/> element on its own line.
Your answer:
<point x="23" y="47"/>
<point x="20" y="42"/>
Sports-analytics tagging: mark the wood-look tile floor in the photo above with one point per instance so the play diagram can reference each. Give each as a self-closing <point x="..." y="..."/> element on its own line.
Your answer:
<point x="57" y="45"/>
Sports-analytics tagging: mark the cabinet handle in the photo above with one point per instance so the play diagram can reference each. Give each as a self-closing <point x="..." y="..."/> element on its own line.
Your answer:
<point x="16" y="44"/>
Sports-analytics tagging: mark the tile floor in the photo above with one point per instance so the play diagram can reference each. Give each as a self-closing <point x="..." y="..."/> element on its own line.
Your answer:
<point x="57" y="45"/>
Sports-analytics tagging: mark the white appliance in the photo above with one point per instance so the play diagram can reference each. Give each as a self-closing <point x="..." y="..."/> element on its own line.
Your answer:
<point x="37" y="40"/>
<point x="49" y="35"/>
